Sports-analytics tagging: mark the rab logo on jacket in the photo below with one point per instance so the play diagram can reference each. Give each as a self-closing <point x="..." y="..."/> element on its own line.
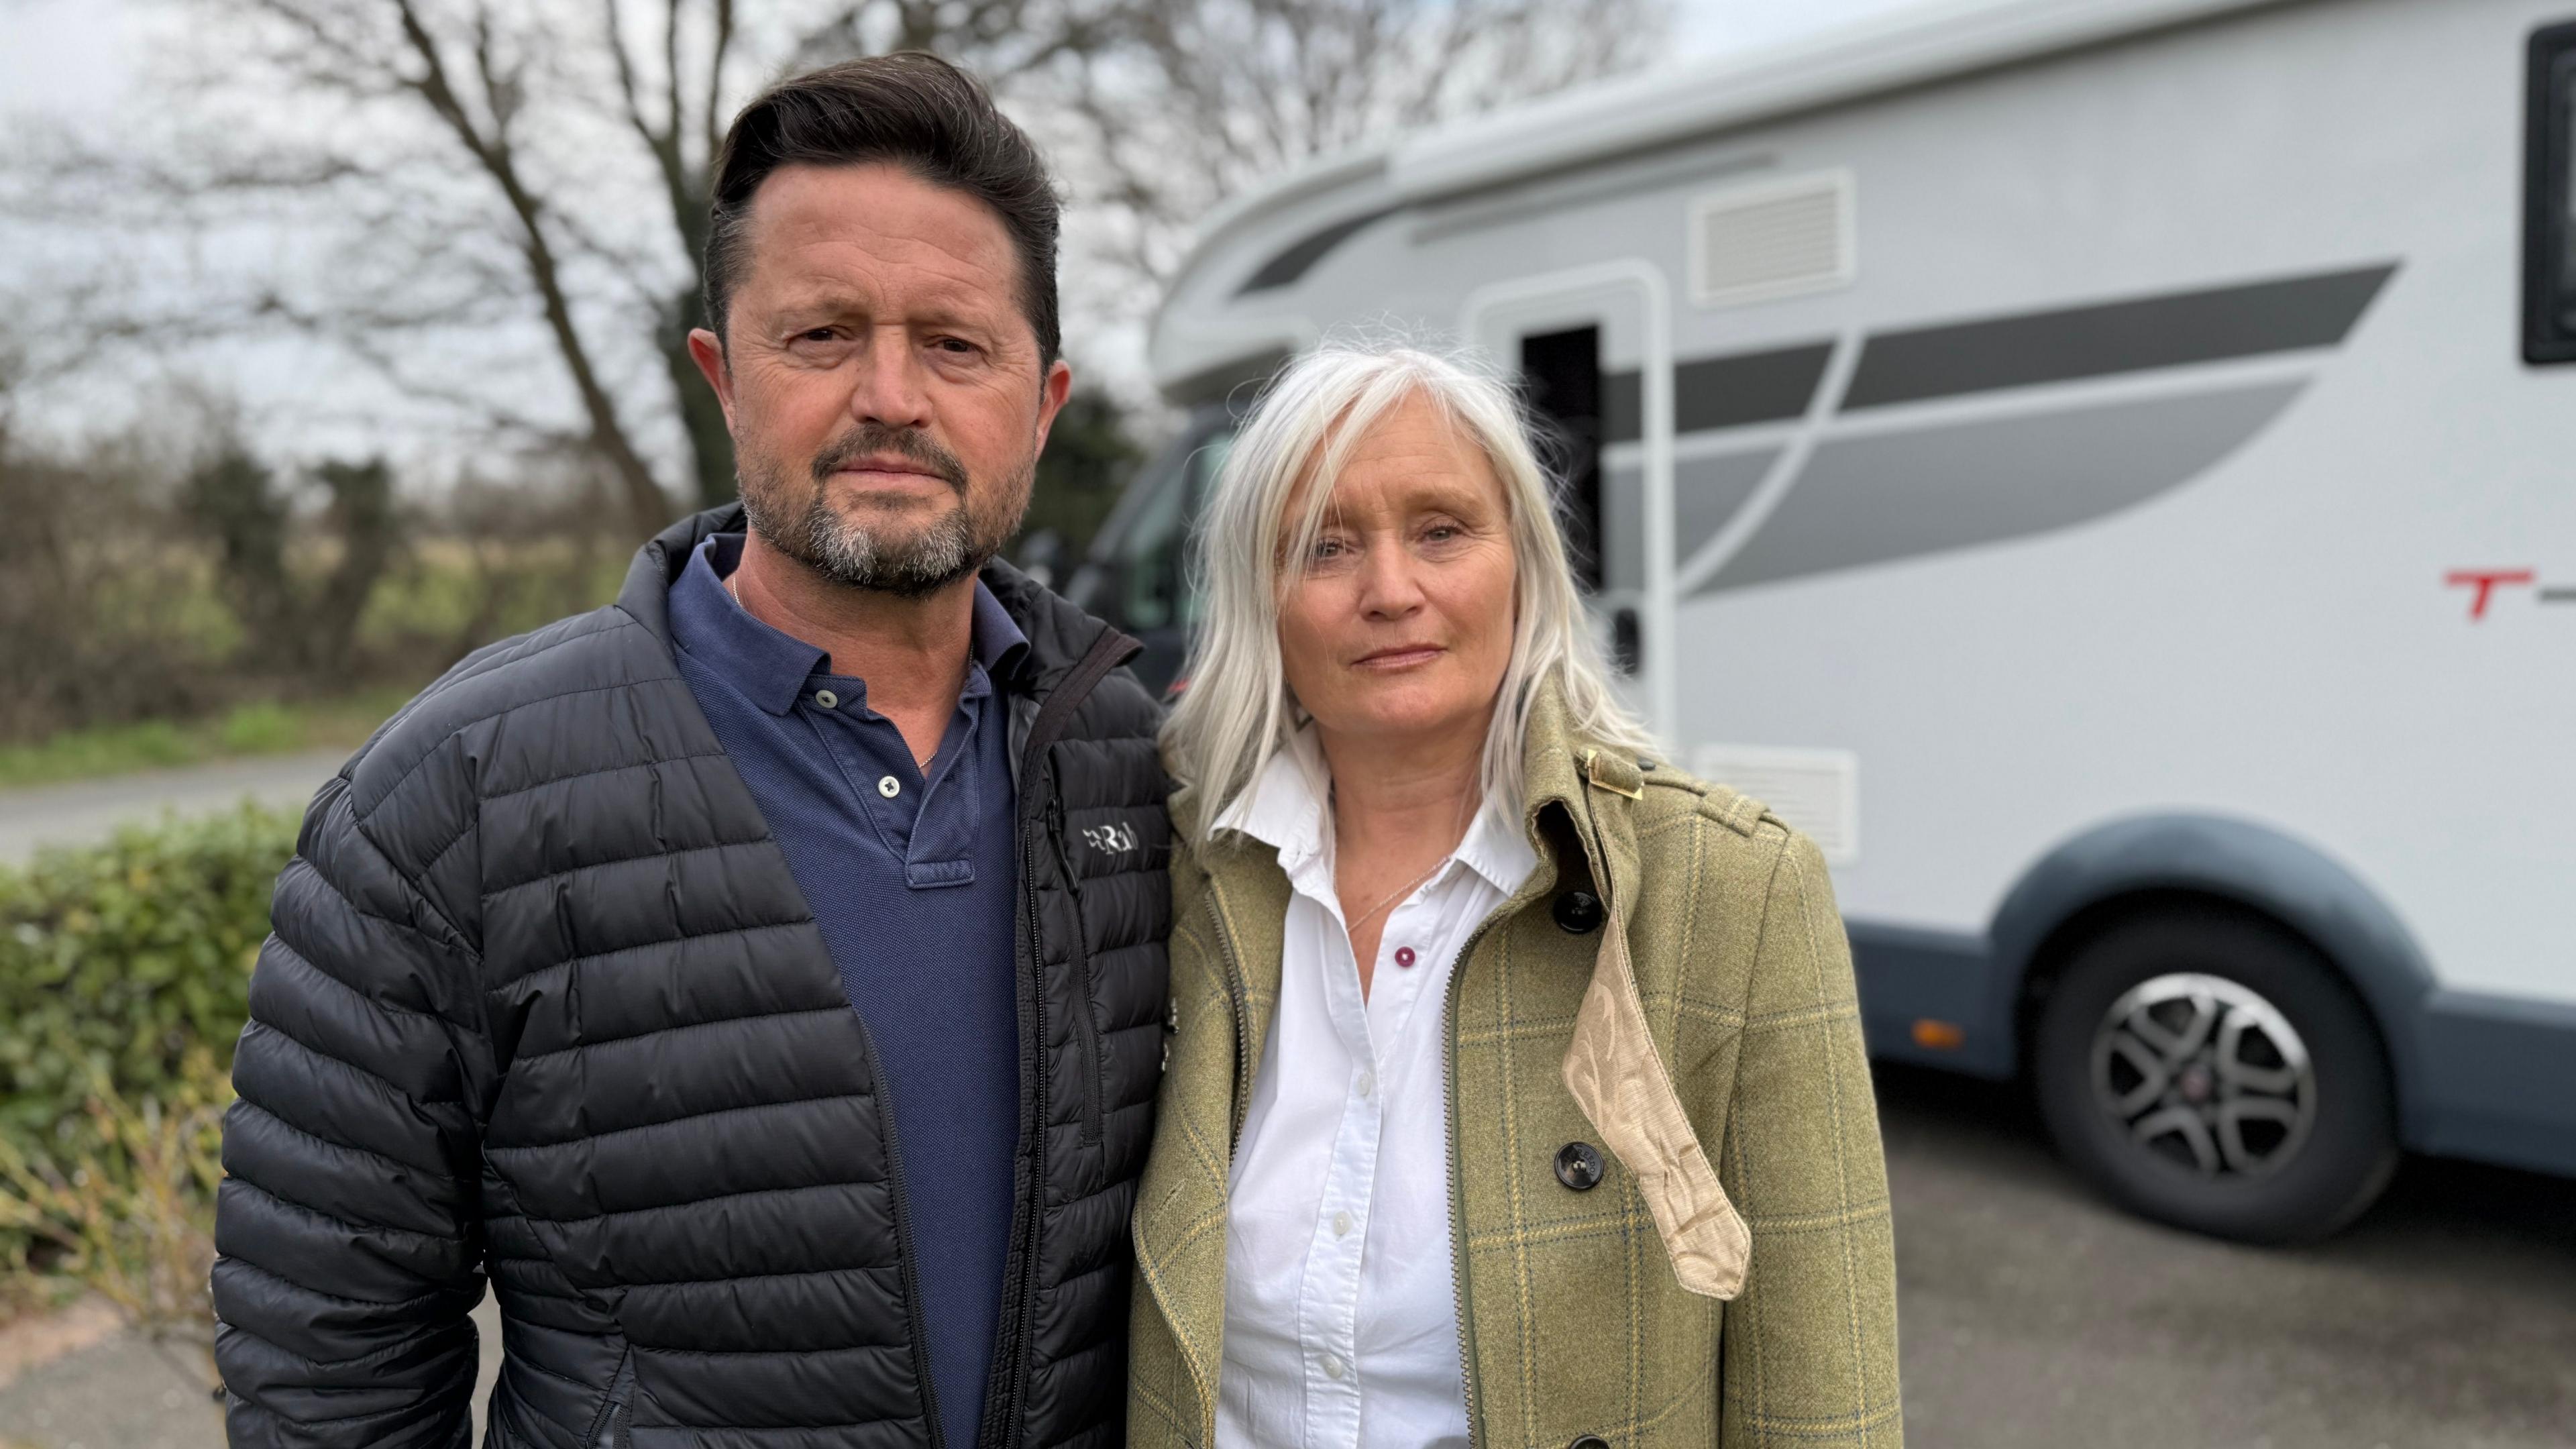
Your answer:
<point x="1110" y="839"/>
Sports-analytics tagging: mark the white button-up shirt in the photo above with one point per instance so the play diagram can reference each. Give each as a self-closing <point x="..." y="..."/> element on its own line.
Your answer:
<point x="1341" y="1312"/>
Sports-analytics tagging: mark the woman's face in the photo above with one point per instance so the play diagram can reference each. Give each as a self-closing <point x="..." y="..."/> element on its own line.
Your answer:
<point x="1398" y="625"/>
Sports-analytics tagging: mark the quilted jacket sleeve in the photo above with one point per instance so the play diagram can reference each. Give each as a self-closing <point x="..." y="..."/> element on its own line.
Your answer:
<point x="348" y="1253"/>
<point x="1809" y="1356"/>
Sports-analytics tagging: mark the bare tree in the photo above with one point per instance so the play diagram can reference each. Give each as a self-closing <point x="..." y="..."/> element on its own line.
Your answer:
<point x="1205" y="98"/>
<point x="500" y="206"/>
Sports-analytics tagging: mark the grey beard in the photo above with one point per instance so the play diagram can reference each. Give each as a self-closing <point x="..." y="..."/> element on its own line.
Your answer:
<point x="854" y="555"/>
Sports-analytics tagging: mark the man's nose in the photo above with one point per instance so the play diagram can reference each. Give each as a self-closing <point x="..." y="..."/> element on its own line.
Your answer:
<point x="888" y="387"/>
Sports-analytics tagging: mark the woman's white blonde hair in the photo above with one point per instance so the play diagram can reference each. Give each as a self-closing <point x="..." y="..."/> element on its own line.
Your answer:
<point x="1236" y="710"/>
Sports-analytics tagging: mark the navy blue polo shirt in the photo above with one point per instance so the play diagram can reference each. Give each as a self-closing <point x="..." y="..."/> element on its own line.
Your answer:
<point x="913" y="876"/>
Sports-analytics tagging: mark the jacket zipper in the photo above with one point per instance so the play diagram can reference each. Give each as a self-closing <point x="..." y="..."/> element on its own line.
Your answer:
<point x="1086" y="1021"/>
<point x="914" y="1322"/>
<point x="1458" y="1180"/>
<point x="1238" y="989"/>
<point x="606" y="1432"/>
<point x="1002" y="1409"/>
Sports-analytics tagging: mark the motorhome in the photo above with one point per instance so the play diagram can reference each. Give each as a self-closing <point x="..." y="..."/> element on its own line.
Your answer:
<point x="2106" y="469"/>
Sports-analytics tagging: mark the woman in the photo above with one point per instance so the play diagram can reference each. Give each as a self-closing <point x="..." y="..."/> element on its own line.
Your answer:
<point x="1515" y="1091"/>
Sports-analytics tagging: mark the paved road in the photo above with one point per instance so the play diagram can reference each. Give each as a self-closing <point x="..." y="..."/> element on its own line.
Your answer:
<point x="2033" y="1317"/>
<point x="89" y="810"/>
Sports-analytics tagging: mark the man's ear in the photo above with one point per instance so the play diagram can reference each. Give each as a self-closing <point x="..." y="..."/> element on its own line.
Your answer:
<point x="707" y="351"/>
<point x="1057" y="386"/>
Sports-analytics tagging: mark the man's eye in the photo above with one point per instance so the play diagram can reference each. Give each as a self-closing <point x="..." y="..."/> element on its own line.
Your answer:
<point x="954" y="346"/>
<point x="818" y="334"/>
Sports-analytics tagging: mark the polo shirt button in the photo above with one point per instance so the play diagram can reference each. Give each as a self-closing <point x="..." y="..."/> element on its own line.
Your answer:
<point x="1333" y="1370"/>
<point x="1404" y="955"/>
<point x="827" y="699"/>
<point x="1367" y="1083"/>
<point x="1578" y="1166"/>
<point x="889" y="787"/>
<point x="1341" y="1225"/>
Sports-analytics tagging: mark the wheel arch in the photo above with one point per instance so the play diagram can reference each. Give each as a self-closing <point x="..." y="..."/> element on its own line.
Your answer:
<point x="2117" y="869"/>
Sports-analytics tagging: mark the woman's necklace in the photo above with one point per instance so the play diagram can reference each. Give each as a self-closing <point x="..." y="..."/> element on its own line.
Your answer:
<point x="1389" y="898"/>
<point x="1410" y="886"/>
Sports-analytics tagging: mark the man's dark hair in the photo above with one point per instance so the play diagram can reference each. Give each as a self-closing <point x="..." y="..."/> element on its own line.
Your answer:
<point x="916" y="111"/>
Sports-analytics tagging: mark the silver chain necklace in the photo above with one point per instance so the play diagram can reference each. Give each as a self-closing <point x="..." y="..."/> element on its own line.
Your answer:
<point x="1390" y="897"/>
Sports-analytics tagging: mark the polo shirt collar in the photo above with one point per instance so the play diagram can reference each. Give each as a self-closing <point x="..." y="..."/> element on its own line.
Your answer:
<point x="771" y="667"/>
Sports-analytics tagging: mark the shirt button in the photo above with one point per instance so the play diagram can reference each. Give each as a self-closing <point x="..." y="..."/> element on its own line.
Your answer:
<point x="827" y="699"/>
<point x="1404" y="955"/>
<point x="1341" y="1225"/>
<point x="1367" y="1083"/>
<point x="889" y="787"/>
<point x="1332" y="1367"/>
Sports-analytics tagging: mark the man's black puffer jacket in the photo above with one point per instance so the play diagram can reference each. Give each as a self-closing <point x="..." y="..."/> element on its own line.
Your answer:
<point x="543" y="1001"/>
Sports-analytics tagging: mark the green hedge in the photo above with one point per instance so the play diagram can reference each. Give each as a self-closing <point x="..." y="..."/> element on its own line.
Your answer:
<point x="127" y="959"/>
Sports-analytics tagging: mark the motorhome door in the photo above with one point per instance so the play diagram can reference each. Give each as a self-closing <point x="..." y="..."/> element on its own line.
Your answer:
<point x="1594" y="349"/>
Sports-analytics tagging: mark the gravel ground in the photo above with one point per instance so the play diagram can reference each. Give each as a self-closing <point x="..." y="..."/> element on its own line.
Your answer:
<point x="2034" y="1317"/>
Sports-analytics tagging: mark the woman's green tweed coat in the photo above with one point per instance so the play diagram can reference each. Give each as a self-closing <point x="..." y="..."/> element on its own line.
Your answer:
<point x="1572" y="1305"/>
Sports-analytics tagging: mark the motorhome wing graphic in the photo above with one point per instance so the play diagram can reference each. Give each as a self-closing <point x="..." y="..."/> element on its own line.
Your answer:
<point x="1899" y="444"/>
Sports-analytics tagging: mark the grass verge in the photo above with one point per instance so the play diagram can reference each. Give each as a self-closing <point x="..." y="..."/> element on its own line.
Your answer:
<point x="263" y="728"/>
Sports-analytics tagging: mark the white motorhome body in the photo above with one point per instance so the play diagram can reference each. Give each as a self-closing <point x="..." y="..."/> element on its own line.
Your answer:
<point x="2083" y="460"/>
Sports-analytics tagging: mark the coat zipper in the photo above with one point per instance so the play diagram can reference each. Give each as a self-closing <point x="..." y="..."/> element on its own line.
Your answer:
<point x="1086" y="1021"/>
<point x="914" y="1322"/>
<point x="1458" y="1180"/>
<point x="605" y="1431"/>
<point x="1238" y="989"/>
<point x="1002" y="1409"/>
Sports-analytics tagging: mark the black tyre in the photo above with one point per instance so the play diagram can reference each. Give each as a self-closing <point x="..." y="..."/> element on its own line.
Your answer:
<point x="2212" y="1071"/>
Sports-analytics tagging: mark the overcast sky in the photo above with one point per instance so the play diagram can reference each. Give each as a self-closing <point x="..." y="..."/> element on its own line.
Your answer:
<point x="74" y="57"/>
<point x="87" y="63"/>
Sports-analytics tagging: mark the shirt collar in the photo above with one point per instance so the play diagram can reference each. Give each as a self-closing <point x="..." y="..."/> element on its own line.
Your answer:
<point x="1286" y="810"/>
<point x="769" y="666"/>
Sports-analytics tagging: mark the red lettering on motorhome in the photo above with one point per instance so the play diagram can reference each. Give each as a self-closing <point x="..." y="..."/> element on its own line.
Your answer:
<point x="2486" y="582"/>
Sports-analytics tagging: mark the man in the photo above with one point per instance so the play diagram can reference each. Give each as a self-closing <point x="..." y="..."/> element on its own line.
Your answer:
<point x="760" y="979"/>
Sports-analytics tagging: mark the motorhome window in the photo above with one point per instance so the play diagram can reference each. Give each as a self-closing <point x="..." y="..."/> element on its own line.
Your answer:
<point x="2549" y="221"/>
<point x="1156" y="548"/>
<point x="1563" y="372"/>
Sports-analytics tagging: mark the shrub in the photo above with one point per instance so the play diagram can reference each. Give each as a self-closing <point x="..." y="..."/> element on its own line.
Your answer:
<point x="125" y="1206"/>
<point x="121" y="962"/>
<point x="124" y="981"/>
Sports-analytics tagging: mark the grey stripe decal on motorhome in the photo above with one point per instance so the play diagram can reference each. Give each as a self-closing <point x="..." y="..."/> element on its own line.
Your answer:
<point x="1301" y="255"/>
<point x="2097" y="341"/>
<point x="1706" y="493"/>
<point x="1927" y="490"/>
<point x="1719" y="392"/>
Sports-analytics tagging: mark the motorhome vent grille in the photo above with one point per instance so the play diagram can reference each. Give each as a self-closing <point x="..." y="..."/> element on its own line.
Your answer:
<point x="1816" y="791"/>
<point x="1772" y="239"/>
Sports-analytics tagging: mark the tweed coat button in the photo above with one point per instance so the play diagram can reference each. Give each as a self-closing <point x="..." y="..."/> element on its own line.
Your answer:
<point x="1578" y="1166"/>
<point x="1589" y="1441"/>
<point x="1578" y="912"/>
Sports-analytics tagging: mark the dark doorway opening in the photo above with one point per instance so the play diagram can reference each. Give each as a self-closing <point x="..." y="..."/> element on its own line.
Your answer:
<point x="1563" y="371"/>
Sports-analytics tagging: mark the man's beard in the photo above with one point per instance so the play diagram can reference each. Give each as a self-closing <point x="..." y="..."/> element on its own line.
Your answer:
<point x="859" y="554"/>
